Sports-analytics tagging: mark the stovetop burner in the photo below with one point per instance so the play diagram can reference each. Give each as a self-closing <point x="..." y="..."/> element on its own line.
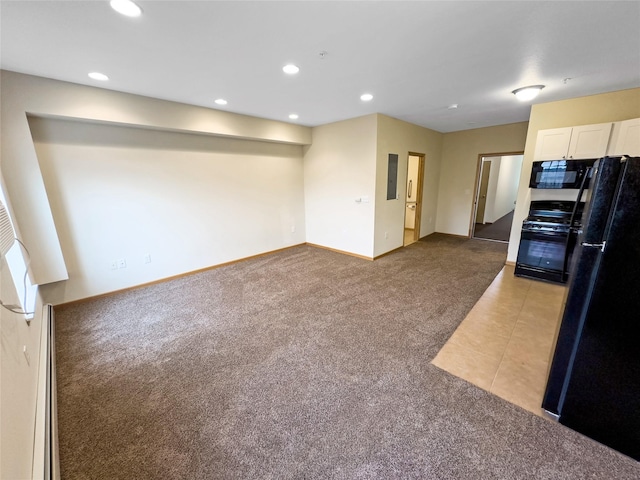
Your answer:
<point x="553" y="215"/>
<point x="539" y="226"/>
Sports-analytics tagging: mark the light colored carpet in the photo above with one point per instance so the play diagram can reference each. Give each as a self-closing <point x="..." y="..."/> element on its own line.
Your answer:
<point x="300" y="364"/>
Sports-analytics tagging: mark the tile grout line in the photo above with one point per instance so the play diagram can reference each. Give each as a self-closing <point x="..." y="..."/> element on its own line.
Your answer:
<point x="524" y="300"/>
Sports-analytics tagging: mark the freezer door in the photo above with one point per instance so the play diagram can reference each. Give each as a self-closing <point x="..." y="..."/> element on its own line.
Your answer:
<point x="600" y="198"/>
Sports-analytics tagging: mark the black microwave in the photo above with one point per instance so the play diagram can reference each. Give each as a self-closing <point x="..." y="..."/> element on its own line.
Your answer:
<point x="561" y="173"/>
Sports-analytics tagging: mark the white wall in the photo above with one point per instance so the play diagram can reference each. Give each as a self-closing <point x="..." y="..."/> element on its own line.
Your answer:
<point x="189" y="201"/>
<point x="19" y="380"/>
<point x="340" y="167"/>
<point x="492" y="187"/>
<point x="507" y="185"/>
<point x="503" y="186"/>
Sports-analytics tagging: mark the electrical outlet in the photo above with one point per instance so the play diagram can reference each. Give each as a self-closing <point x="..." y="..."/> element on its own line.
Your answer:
<point x="114" y="264"/>
<point x="147" y="258"/>
<point x="122" y="263"/>
<point x="293" y="228"/>
<point x="386" y="235"/>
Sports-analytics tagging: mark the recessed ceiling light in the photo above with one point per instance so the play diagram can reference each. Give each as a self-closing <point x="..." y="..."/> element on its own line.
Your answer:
<point x="366" y="97"/>
<point x="126" y="7"/>
<point x="293" y="116"/>
<point x="220" y="101"/>
<point x="291" y="69"/>
<point x="453" y="106"/>
<point x="525" y="94"/>
<point x="98" y="76"/>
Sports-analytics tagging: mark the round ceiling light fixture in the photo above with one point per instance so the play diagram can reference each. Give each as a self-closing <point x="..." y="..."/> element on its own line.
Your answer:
<point x="220" y="101"/>
<point x="290" y="69"/>
<point x="293" y="116"/>
<point x="98" y="76"/>
<point x="366" y="97"/>
<point x="126" y="7"/>
<point x="524" y="94"/>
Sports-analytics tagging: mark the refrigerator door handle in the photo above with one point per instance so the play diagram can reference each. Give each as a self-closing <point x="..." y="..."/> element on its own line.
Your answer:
<point x="601" y="246"/>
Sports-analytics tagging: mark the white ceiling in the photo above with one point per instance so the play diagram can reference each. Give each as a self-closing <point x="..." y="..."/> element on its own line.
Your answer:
<point x="415" y="57"/>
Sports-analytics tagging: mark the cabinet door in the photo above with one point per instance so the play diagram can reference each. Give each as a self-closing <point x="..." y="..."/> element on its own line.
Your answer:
<point x="553" y="144"/>
<point x="589" y="141"/>
<point x="628" y="138"/>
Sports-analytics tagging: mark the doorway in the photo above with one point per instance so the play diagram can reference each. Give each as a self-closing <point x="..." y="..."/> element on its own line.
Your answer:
<point x="413" y="198"/>
<point x="498" y="178"/>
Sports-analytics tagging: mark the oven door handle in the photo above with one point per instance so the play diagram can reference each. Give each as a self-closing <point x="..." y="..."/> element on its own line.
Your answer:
<point x="601" y="246"/>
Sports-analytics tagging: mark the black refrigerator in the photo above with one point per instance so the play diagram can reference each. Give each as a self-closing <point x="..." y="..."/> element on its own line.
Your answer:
<point x="594" y="378"/>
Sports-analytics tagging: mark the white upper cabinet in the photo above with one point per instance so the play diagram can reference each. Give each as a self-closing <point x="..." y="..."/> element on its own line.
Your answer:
<point x="590" y="141"/>
<point x="553" y="144"/>
<point x="625" y="139"/>
<point x="586" y="141"/>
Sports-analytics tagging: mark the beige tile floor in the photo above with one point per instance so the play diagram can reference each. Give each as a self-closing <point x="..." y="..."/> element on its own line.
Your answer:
<point x="504" y="344"/>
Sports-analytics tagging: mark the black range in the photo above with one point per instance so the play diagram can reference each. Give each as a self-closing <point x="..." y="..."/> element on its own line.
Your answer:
<point x="548" y="238"/>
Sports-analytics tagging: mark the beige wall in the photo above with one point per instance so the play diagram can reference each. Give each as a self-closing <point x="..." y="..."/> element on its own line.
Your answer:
<point x="340" y="167"/>
<point x="347" y="161"/>
<point x="397" y="136"/>
<point x="460" y="152"/>
<point x="594" y="109"/>
<point x="25" y="94"/>
<point x="268" y="149"/>
<point x="188" y="201"/>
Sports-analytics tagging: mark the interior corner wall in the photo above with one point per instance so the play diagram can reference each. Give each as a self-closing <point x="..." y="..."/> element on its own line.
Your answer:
<point x="339" y="168"/>
<point x="185" y="201"/>
<point x="399" y="137"/>
<point x="23" y="95"/>
<point x="594" y="109"/>
<point x="507" y="185"/>
<point x="458" y="172"/>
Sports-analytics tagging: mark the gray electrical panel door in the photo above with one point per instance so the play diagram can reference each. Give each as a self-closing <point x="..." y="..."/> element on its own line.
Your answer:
<point x="392" y="177"/>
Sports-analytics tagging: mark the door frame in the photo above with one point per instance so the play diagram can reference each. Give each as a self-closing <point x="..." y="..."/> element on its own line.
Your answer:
<point x="474" y="199"/>
<point x="485" y="174"/>
<point x="419" y="187"/>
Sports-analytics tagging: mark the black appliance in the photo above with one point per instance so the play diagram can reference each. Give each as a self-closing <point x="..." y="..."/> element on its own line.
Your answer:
<point x="547" y="240"/>
<point x="560" y="173"/>
<point x="594" y="379"/>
